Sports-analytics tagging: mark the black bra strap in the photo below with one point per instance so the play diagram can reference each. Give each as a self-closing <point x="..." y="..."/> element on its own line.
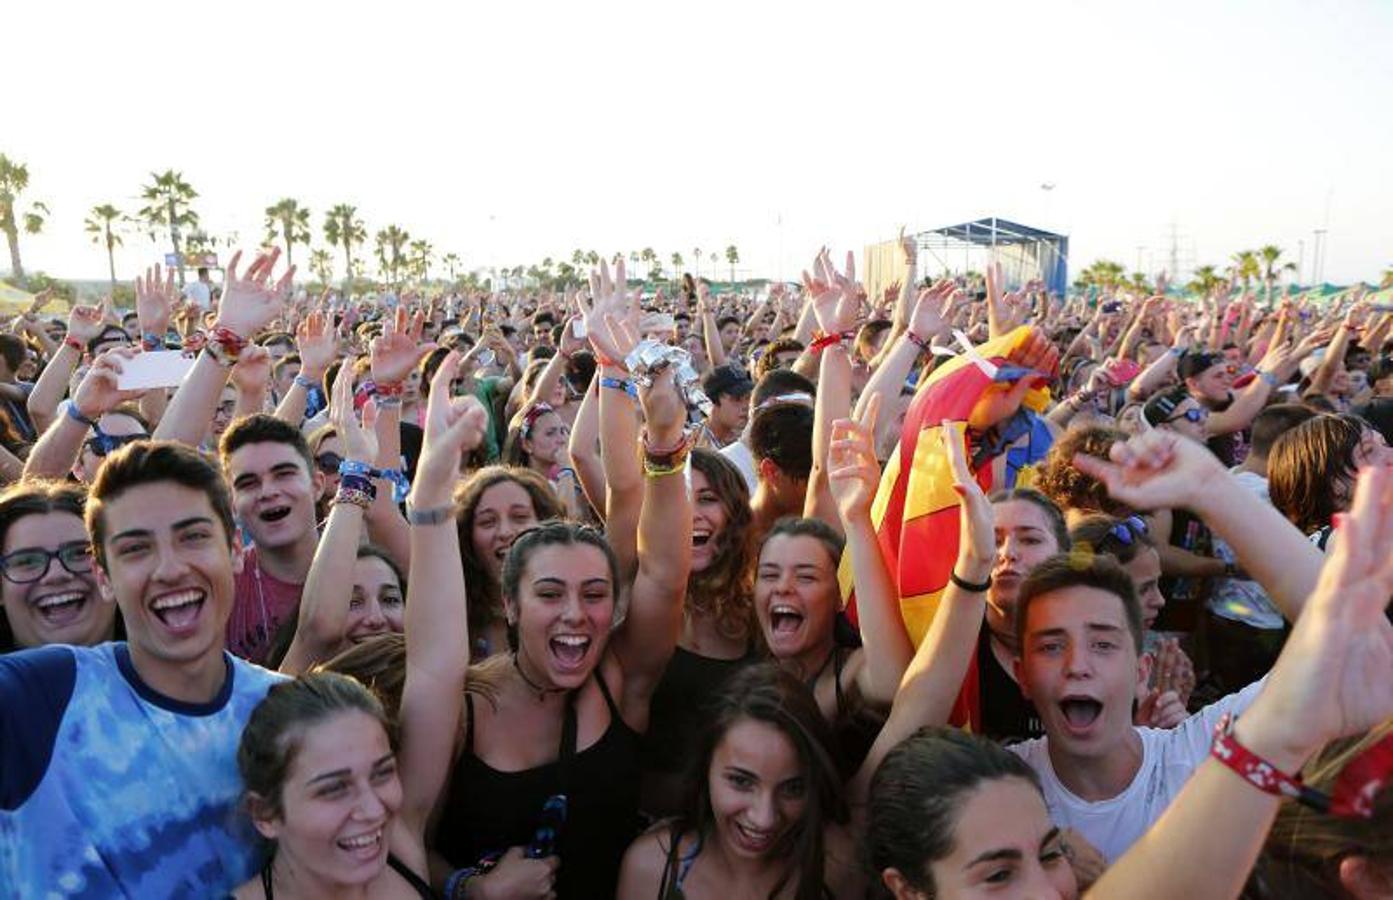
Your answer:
<point x="468" y="722"/>
<point x="416" y="881"/>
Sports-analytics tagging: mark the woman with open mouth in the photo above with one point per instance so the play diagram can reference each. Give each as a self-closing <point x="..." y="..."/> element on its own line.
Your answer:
<point x="49" y="592"/>
<point x="719" y="632"/>
<point x="544" y="797"/>
<point x="798" y="601"/>
<point x="319" y="758"/>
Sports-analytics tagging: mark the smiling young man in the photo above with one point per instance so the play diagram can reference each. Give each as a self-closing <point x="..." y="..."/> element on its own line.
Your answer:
<point x="118" y="774"/>
<point x="274" y="485"/>
<point x="1080" y="631"/>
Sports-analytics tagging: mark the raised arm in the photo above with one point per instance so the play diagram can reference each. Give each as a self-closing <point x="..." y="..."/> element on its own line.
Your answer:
<point x="248" y="303"/>
<point x="317" y="345"/>
<point x="618" y="419"/>
<point x="836" y="301"/>
<point x="58" y="447"/>
<point x="1333" y="679"/>
<point x="935" y="675"/>
<point x="1162" y="470"/>
<point x="585" y="446"/>
<point x="710" y="335"/>
<point x="324" y="604"/>
<point x="649" y="635"/>
<point x="854" y="476"/>
<point x="251" y="377"/>
<point x="84" y="323"/>
<point x="928" y="321"/>
<point x="437" y="633"/>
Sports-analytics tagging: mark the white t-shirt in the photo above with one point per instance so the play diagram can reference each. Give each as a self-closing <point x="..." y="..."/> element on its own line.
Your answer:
<point x="1169" y="756"/>
<point x="739" y="453"/>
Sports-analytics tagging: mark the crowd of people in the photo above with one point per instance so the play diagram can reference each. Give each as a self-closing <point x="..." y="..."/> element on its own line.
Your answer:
<point x="601" y="592"/>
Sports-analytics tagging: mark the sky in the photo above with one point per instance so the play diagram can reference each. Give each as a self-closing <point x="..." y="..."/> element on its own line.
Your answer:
<point x="507" y="132"/>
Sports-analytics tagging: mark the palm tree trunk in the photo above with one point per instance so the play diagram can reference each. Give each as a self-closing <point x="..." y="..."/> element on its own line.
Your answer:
<point x="289" y="252"/>
<point x="111" y="258"/>
<point x="16" y="267"/>
<point x="174" y="239"/>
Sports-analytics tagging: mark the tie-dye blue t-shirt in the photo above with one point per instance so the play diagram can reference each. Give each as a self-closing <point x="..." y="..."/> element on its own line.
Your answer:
<point x="109" y="789"/>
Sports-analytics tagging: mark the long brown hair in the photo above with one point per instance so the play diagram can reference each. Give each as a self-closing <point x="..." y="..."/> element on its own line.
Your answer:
<point x="1311" y="468"/>
<point x="724" y="590"/>
<point x="767" y="693"/>
<point x="485" y="595"/>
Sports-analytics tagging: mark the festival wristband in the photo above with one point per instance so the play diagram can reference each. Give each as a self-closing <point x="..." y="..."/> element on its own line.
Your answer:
<point x="76" y="415"/>
<point x="306" y="383"/>
<point x="225" y="346"/>
<point x="917" y="341"/>
<point x="969" y="586"/>
<point x="619" y="384"/>
<point x="1269" y="378"/>
<point x="435" y="516"/>
<point x="151" y="341"/>
<point x="74" y="343"/>
<point x="355" y="469"/>
<point x="823" y="340"/>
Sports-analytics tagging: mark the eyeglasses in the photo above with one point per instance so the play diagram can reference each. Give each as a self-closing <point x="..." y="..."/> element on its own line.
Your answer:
<point x="32" y="563"/>
<point x="1129" y="530"/>
<point x="328" y="462"/>
<point x="1195" y="414"/>
<point x="101" y="443"/>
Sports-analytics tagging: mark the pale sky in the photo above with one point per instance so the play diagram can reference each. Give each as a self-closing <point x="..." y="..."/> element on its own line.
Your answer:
<point x="506" y="132"/>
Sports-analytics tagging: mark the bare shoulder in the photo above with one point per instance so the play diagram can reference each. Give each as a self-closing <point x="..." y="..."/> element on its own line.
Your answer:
<point x="250" y="890"/>
<point x="641" y="873"/>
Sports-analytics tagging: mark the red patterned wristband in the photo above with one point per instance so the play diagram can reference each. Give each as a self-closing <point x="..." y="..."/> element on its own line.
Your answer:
<point x="1252" y="768"/>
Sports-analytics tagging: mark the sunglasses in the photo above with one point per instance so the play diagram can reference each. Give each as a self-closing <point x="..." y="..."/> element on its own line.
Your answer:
<point x="1129" y="530"/>
<point x="32" y="563"/>
<point x="101" y="443"/>
<point x="1195" y="414"/>
<point x="328" y="462"/>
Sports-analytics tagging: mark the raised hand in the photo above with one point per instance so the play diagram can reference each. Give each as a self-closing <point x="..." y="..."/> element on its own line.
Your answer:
<point x="570" y="344"/>
<point x="155" y="299"/>
<point x="454" y="426"/>
<point x="1157" y="469"/>
<point x="1001" y="401"/>
<point x="84" y="323"/>
<point x="609" y="297"/>
<point x="251" y="300"/>
<point x="853" y="474"/>
<point x="359" y="441"/>
<point x="835" y="295"/>
<point x="932" y="310"/>
<point x="97" y="393"/>
<point x="252" y="371"/>
<point x="39" y="302"/>
<point x="977" y="522"/>
<point x="398" y="349"/>
<point x="664" y="411"/>
<point x="1159" y="709"/>
<point x="317" y="345"/>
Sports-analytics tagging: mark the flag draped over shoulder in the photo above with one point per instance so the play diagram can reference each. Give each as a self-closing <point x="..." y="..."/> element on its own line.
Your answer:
<point x="916" y="511"/>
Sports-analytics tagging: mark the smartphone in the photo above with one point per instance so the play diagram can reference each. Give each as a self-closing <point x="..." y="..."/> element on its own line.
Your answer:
<point x="154" y="369"/>
<point x="578" y="329"/>
<point x="1112" y="307"/>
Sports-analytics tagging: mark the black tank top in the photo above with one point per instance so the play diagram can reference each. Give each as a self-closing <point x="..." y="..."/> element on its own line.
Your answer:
<point x="423" y="890"/>
<point x="489" y="811"/>
<point x="679" y="706"/>
<point x="1007" y="716"/>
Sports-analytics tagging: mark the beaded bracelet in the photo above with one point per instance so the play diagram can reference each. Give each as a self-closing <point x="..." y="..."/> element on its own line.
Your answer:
<point x="667" y="461"/>
<point x="619" y="384"/>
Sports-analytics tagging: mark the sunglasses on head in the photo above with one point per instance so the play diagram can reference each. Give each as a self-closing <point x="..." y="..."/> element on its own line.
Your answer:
<point x="328" y="462"/>
<point x="1129" y="530"/>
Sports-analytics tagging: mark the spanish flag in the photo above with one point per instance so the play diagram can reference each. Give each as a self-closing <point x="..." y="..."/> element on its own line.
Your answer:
<point x="916" y="510"/>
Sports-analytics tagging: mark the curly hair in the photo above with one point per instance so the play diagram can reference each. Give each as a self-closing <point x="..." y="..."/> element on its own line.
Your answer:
<point x="1066" y="485"/>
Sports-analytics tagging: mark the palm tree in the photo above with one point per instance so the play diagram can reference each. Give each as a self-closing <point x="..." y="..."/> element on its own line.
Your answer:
<point x="1103" y="273"/>
<point x="578" y="258"/>
<point x="1387" y="279"/>
<point x="451" y="261"/>
<point x="391" y="247"/>
<point x="1205" y="279"/>
<point x="677" y="262"/>
<point x="1271" y="271"/>
<point x="101" y="224"/>
<point x="14" y="180"/>
<point x="168" y="197"/>
<point x="648" y="255"/>
<point x="421" y="253"/>
<point x="732" y="257"/>
<point x="565" y="274"/>
<point x="343" y="228"/>
<point x="322" y="265"/>
<point x="1245" y="266"/>
<point x="696" y="257"/>
<point x="292" y="220"/>
<point x="592" y="258"/>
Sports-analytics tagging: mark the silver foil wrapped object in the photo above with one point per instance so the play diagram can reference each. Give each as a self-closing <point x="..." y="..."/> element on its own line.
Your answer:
<point x="651" y="357"/>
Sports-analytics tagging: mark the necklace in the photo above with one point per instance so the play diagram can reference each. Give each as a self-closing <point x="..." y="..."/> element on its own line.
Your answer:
<point x="540" y="690"/>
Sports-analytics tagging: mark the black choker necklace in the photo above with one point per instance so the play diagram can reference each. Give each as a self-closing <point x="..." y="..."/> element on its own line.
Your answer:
<point x="539" y="689"/>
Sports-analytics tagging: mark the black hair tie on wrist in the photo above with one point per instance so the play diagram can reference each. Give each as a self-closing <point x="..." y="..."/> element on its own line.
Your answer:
<point x="969" y="586"/>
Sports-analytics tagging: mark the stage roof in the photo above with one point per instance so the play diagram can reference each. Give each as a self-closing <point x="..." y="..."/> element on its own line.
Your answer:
<point x="990" y="231"/>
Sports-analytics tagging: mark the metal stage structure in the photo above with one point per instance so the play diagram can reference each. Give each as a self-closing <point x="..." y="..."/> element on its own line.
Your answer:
<point x="1024" y="252"/>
